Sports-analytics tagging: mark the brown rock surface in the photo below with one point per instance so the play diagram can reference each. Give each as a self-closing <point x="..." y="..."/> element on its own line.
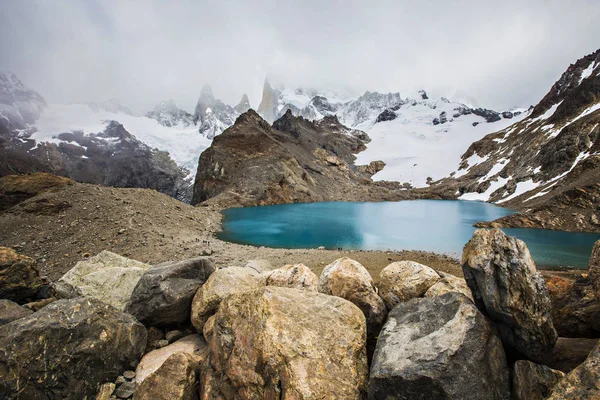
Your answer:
<point x="17" y="188"/>
<point x="19" y="276"/>
<point x="532" y="381"/>
<point x="297" y="276"/>
<point x="581" y="383"/>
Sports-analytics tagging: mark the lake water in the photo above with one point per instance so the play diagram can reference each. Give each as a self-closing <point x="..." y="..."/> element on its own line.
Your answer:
<point x="440" y="226"/>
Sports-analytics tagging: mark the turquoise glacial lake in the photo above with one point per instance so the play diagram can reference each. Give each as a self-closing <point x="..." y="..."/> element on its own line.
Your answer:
<point x="439" y="226"/>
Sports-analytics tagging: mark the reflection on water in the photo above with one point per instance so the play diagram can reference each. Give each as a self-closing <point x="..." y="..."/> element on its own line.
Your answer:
<point x="430" y="225"/>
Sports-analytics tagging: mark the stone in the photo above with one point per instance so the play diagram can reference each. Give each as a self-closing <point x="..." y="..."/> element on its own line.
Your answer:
<point x="162" y="343"/>
<point x="163" y="295"/>
<point x="531" y="381"/>
<point x="297" y="276"/>
<point x="507" y="287"/>
<point x="583" y="382"/>
<point x="125" y="390"/>
<point x="575" y="307"/>
<point x="67" y="349"/>
<point x="129" y="375"/>
<point x="120" y="380"/>
<point x="106" y="390"/>
<point x="192" y="344"/>
<point x="594" y="268"/>
<point x="447" y="284"/>
<point x="310" y="346"/>
<point x="568" y="353"/>
<point x="404" y="280"/>
<point x="175" y="379"/>
<point x="220" y="285"/>
<point x="172" y="336"/>
<point x="260" y="266"/>
<point x="107" y="277"/>
<point x="38" y="305"/>
<point x="11" y="311"/>
<point x="438" y="348"/>
<point x="64" y="290"/>
<point x="19" y="277"/>
<point x="348" y="279"/>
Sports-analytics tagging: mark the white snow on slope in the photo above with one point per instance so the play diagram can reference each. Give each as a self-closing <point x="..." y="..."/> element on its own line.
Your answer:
<point x="485" y="196"/>
<point x="587" y="72"/>
<point x="415" y="149"/>
<point x="183" y="143"/>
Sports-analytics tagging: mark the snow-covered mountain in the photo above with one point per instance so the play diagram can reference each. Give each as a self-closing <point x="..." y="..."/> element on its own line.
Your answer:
<point x="168" y="114"/>
<point x="18" y="104"/>
<point x="212" y="115"/>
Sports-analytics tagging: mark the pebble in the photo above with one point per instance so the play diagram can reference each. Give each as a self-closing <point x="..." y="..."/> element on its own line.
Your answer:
<point x="163" y="343"/>
<point x="129" y="375"/>
<point x="120" y="380"/>
<point x="172" y="336"/>
<point x="125" y="391"/>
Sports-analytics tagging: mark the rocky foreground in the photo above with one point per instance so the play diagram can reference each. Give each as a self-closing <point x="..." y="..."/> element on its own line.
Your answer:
<point x="117" y="328"/>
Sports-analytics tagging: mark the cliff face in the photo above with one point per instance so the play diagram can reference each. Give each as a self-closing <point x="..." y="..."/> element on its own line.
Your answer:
<point x="295" y="160"/>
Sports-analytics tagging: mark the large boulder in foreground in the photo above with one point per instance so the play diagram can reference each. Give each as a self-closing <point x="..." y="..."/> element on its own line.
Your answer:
<point x="506" y="286"/>
<point x="11" y="311"/>
<point x="404" y="280"/>
<point x="531" y="381"/>
<point x="309" y="346"/>
<point x="581" y="383"/>
<point x="438" y="348"/>
<point x="220" y="285"/>
<point x="297" y="276"/>
<point x="107" y="276"/>
<point x="163" y="295"/>
<point x="67" y="349"/>
<point x="349" y="280"/>
<point x="594" y="268"/>
<point x="19" y="276"/>
<point x="449" y="284"/>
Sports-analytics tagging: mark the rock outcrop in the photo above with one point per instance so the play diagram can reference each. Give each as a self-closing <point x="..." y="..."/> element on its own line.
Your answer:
<point x="581" y="383"/>
<point x="107" y="277"/>
<point x="67" y="349"/>
<point x="17" y="188"/>
<point x="308" y="352"/>
<point x="506" y="287"/>
<point x="438" y="348"/>
<point x="297" y="276"/>
<point x="531" y="381"/>
<point x="19" y="276"/>
<point x="594" y="268"/>
<point x="163" y="295"/>
<point x="404" y="280"/>
<point x="219" y="286"/>
<point x="348" y="279"/>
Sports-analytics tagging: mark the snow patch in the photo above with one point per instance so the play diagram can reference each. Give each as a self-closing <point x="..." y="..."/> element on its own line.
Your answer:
<point x="485" y="196"/>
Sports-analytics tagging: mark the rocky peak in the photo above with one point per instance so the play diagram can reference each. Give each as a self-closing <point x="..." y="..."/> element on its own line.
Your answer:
<point x="269" y="102"/>
<point x="423" y="95"/>
<point x="19" y="105"/>
<point x="212" y="115"/>
<point x="243" y="105"/>
<point x="206" y="95"/>
<point x="168" y="114"/>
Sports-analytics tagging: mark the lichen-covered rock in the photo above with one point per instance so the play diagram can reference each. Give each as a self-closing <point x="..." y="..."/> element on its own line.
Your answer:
<point x="11" y="311"/>
<point x="404" y="280"/>
<point x="107" y="276"/>
<point x="447" y="284"/>
<point x="506" y="286"/>
<point x="531" y="381"/>
<point x="297" y="276"/>
<point x="220" y="285"/>
<point x="581" y="383"/>
<point x="191" y="344"/>
<point x="349" y="280"/>
<point x="309" y="346"/>
<point x="19" y="276"/>
<point x="163" y="295"/>
<point x="106" y="390"/>
<point x="594" y="268"/>
<point x="438" y="348"/>
<point x="67" y="349"/>
<point x="175" y="379"/>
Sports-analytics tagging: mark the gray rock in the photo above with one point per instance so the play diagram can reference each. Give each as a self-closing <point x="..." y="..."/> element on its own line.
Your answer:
<point x="594" y="268"/>
<point x="297" y="276"/>
<point x="11" y="311"/>
<point x="164" y="293"/>
<point x="259" y="265"/>
<point x="449" y="283"/>
<point x="129" y="375"/>
<point x="126" y="390"/>
<point x="438" y="348"/>
<point x="533" y="381"/>
<point x="583" y="382"/>
<point x="404" y="280"/>
<point x="64" y="290"/>
<point x="172" y="336"/>
<point x="67" y="349"/>
<point x="506" y="286"/>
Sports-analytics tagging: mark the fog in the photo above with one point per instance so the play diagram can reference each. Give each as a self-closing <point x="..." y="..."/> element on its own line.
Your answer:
<point x="502" y="54"/>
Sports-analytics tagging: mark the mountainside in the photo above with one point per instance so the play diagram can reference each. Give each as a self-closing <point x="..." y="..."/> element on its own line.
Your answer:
<point x="546" y="164"/>
<point x="19" y="105"/>
<point x="168" y="114"/>
<point x="212" y="115"/>
<point x="294" y="160"/>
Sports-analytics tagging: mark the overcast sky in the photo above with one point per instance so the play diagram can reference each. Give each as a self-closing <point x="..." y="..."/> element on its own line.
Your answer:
<point x="501" y="53"/>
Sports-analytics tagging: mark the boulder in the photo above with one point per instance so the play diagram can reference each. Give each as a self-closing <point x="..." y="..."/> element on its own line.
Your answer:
<point x="106" y="390"/>
<point x="220" y="285"/>
<point x="107" y="276"/>
<point x="531" y="381"/>
<point x="163" y="295"/>
<point x="191" y="344"/>
<point x="447" y="284"/>
<point x="349" y="280"/>
<point x="175" y="379"/>
<point x="67" y="349"/>
<point x="568" y="353"/>
<point x="19" y="276"/>
<point x="404" y="280"/>
<point x="11" y="311"/>
<point x="575" y="307"/>
<point x="506" y="286"/>
<point x="594" y="268"/>
<point x="309" y="346"/>
<point x="260" y="266"/>
<point x="297" y="276"/>
<point x="438" y="348"/>
<point x="581" y="383"/>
